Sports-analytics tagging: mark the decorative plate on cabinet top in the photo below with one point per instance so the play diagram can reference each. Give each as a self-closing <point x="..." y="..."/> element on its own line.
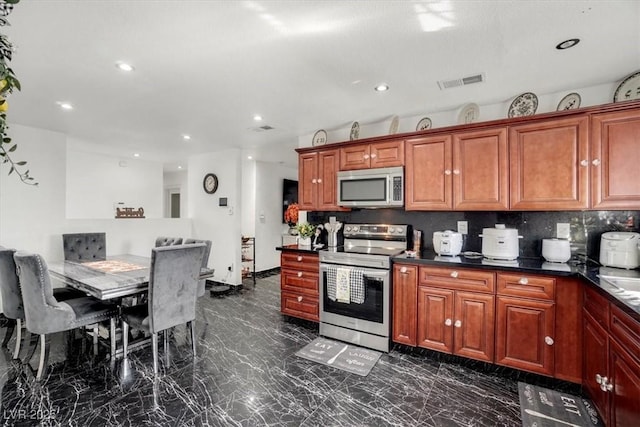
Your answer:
<point x="319" y="138"/>
<point x="629" y="89"/>
<point x="569" y="102"/>
<point x="355" y="131"/>
<point x="395" y="123"/>
<point x="424" y="124"/>
<point x="469" y="113"/>
<point x="524" y="105"/>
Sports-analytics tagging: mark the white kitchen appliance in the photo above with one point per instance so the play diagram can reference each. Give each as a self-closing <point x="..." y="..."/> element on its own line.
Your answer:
<point x="556" y="250"/>
<point x="447" y="243"/>
<point x="500" y="243"/>
<point x="620" y="249"/>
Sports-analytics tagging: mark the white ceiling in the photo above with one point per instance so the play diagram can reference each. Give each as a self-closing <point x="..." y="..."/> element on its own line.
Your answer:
<point x="205" y="68"/>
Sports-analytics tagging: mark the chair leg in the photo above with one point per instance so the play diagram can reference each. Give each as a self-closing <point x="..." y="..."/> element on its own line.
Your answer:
<point x="95" y="339"/>
<point x="44" y="356"/>
<point x="16" y="350"/>
<point x="112" y="337"/>
<point x="193" y="337"/>
<point x="154" y="344"/>
<point x="165" y="344"/>
<point x="125" y="340"/>
<point x="33" y="344"/>
<point x="11" y="325"/>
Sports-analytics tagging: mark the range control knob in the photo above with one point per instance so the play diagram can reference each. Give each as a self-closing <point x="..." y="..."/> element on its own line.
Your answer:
<point x="348" y="228"/>
<point x="392" y="230"/>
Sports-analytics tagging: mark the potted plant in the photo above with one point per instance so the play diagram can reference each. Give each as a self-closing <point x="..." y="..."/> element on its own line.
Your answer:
<point x="305" y="231"/>
<point x="291" y="218"/>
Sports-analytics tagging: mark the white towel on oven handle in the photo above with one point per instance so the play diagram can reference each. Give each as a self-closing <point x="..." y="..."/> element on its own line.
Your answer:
<point x="343" y="285"/>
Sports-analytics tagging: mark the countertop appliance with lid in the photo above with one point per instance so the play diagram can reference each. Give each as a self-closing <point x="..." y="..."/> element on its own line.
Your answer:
<point x="363" y="317"/>
<point x="556" y="250"/>
<point x="620" y="249"/>
<point x="447" y="243"/>
<point x="500" y="243"/>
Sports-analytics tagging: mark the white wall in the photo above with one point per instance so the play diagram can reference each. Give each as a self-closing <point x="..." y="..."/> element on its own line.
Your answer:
<point x="221" y="225"/>
<point x="97" y="183"/>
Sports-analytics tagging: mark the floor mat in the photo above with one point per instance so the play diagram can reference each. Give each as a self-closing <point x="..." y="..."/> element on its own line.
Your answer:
<point x="347" y="357"/>
<point x="542" y="407"/>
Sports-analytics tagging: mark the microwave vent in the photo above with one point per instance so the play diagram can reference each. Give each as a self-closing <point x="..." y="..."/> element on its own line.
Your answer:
<point x="464" y="81"/>
<point x="262" y="128"/>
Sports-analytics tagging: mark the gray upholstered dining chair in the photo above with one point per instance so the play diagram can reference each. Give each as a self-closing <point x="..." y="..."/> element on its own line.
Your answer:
<point x="12" y="305"/>
<point x="205" y="260"/>
<point x="173" y="284"/>
<point x="168" y="241"/>
<point x="85" y="246"/>
<point x="46" y="315"/>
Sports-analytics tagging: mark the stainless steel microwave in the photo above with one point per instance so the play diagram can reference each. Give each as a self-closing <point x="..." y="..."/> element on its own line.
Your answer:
<point x="371" y="188"/>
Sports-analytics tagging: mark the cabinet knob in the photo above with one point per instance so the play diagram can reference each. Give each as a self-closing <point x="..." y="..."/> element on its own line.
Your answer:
<point x="454" y="274"/>
<point x="608" y="386"/>
<point x="299" y="258"/>
<point x="523" y="281"/>
<point x="456" y="172"/>
<point x="457" y="324"/>
<point x="314" y="181"/>
<point x="403" y="270"/>
<point x="448" y="322"/>
<point x="596" y="162"/>
<point x="548" y="340"/>
<point x="584" y="162"/>
<point x="447" y="171"/>
<point x="599" y="379"/>
<point x="319" y="180"/>
<point x="374" y="155"/>
<point x="299" y="273"/>
<point x="299" y="299"/>
<point x="366" y="156"/>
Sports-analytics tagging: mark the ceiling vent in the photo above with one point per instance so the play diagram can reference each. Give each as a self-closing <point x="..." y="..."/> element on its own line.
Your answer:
<point x="448" y="84"/>
<point x="262" y="128"/>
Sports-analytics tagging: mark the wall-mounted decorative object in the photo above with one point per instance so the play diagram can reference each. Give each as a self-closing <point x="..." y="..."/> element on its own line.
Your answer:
<point x="569" y="102"/>
<point x="469" y="113"/>
<point x="319" y="138"/>
<point x="524" y="105"/>
<point x="629" y="89"/>
<point x="129" y="213"/>
<point x="355" y="131"/>
<point x="395" y="123"/>
<point x="424" y="124"/>
<point x="210" y="183"/>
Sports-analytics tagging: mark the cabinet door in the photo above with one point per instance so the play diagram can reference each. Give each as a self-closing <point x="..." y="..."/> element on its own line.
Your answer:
<point x="435" y="319"/>
<point x="549" y="165"/>
<point x="327" y="180"/>
<point x="625" y="392"/>
<point x="525" y="334"/>
<point x="480" y="170"/>
<point x="615" y="153"/>
<point x="596" y="343"/>
<point x="405" y="288"/>
<point x="355" y="157"/>
<point x="387" y="154"/>
<point x="307" y="181"/>
<point x="474" y="326"/>
<point x="428" y="173"/>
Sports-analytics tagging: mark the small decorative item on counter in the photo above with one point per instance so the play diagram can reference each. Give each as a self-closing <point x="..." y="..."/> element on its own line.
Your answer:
<point x="410" y="254"/>
<point x="306" y="230"/>
<point x="417" y="238"/>
<point x="291" y="215"/>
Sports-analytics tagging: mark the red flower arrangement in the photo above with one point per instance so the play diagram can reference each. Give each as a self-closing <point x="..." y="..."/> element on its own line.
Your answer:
<point x="291" y="214"/>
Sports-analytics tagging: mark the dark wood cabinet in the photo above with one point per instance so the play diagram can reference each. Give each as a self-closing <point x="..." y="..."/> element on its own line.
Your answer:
<point x="299" y="278"/>
<point x="405" y="285"/>
<point x="615" y="153"/>
<point x="595" y="360"/>
<point x="317" y="180"/>
<point x="549" y="164"/>
<point x="372" y="155"/>
<point x="428" y="186"/>
<point x="435" y="318"/>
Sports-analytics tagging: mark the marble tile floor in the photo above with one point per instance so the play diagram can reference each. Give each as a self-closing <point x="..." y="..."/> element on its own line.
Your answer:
<point x="246" y="374"/>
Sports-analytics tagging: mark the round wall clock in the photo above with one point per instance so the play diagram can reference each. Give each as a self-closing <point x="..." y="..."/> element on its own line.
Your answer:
<point x="210" y="183"/>
<point x="424" y="124"/>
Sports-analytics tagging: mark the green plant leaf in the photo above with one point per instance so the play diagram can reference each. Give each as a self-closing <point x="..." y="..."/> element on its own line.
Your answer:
<point x="12" y="149"/>
<point x="11" y="170"/>
<point x="22" y="163"/>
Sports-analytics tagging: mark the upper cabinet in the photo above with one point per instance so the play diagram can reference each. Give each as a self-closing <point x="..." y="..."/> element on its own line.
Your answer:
<point x="317" y="180"/>
<point x="372" y="155"/>
<point x="462" y="171"/>
<point x="615" y="154"/>
<point x="549" y="164"/>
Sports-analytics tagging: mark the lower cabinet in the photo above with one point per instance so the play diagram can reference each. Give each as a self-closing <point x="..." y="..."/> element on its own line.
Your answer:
<point x="299" y="285"/>
<point x="611" y="374"/>
<point x="405" y="285"/>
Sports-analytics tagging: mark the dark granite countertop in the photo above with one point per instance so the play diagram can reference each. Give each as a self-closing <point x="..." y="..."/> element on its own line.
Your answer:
<point x="299" y="248"/>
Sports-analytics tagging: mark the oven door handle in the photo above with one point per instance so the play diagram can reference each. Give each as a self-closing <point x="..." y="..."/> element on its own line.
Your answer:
<point x="369" y="272"/>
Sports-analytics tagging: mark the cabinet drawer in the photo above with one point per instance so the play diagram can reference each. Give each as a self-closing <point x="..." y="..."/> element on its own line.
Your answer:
<point x="597" y="306"/>
<point x="527" y="286"/>
<point x="626" y="331"/>
<point x="464" y="279"/>
<point x="300" y="261"/>
<point x="300" y="281"/>
<point x="298" y="305"/>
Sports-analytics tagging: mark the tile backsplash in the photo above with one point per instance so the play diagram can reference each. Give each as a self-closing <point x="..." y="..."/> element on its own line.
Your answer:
<point x="586" y="226"/>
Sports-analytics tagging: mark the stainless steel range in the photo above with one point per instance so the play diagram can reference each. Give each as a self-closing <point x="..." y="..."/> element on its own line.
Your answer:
<point x="355" y="284"/>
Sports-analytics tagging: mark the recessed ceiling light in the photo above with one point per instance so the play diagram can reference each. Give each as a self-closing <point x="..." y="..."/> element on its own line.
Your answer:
<point x="567" y="44"/>
<point x="382" y="87"/>
<point x="124" y="66"/>
<point x="65" y="105"/>
<point x="249" y="157"/>
<point x="257" y="118"/>
<point x="186" y="137"/>
<point x="136" y="154"/>
<point x="179" y="167"/>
